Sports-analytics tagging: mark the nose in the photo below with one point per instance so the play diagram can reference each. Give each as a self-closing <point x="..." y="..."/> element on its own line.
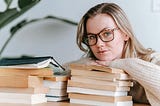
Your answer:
<point x="100" y="42"/>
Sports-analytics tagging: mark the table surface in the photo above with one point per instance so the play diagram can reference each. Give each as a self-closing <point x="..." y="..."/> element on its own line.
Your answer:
<point x="54" y="104"/>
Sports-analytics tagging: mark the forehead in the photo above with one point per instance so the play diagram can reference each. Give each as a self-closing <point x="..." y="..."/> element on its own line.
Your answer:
<point x="99" y="22"/>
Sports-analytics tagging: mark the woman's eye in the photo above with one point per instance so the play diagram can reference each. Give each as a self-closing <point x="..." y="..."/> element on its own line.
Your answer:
<point x="91" y="37"/>
<point x="108" y="33"/>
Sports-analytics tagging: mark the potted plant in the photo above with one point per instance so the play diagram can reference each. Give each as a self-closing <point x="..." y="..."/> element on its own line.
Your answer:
<point x="10" y="14"/>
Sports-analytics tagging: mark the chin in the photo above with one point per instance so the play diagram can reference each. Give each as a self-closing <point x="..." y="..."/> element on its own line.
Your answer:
<point x="106" y="59"/>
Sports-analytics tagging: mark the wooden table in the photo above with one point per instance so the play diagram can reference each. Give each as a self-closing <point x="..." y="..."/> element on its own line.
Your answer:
<point x="54" y="104"/>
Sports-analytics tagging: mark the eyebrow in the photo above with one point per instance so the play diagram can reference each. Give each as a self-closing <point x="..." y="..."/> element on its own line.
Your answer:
<point x="100" y="31"/>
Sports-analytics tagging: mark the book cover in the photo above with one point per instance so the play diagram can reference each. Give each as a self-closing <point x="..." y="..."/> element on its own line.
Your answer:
<point x="95" y="91"/>
<point x="100" y="74"/>
<point x="98" y="103"/>
<point x="101" y="82"/>
<point x="57" y="92"/>
<point x="21" y="81"/>
<point x="56" y="78"/>
<point x="56" y="98"/>
<point x="28" y="90"/>
<point x="26" y="72"/>
<point x="95" y="67"/>
<point x="29" y="62"/>
<point x="111" y="99"/>
<point x="96" y="86"/>
<point x="22" y="98"/>
<point x="55" y="84"/>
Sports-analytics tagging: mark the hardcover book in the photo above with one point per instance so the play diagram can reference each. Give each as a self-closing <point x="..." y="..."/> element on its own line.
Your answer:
<point x="96" y="86"/>
<point x="29" y="62"/>
<point x="110" y="99"/>
<point x="96" y="91"/>
<point x="99" y="103"/>
<point x="22" y="98"/>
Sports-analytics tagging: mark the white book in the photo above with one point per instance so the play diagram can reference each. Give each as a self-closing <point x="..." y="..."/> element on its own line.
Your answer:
<point x="55" y="84"/>
<point x="96" y="92"/>
<point x="56" y="98"/>
<point x="57" y="92"/>
<point x="22" y="98"/>
<point x="98" y="103"/>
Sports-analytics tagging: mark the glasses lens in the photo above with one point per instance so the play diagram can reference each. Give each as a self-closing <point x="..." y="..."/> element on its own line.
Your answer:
<point x="106" y="35"/>
<point x="90" y="39"/>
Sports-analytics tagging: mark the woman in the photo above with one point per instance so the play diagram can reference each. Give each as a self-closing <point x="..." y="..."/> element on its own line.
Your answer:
<point x="106" y="36"/>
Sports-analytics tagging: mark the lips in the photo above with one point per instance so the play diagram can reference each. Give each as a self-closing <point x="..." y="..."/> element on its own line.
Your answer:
<point x="102" y="51"/>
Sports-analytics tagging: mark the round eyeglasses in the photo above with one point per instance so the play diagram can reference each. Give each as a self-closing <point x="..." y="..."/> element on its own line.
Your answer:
<point x="106" y="35"/>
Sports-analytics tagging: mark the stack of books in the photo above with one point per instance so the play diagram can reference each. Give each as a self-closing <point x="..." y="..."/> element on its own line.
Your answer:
<point x="57" y="88"/>
<point x="99" y="85"/>
<point x="21" y="79"/>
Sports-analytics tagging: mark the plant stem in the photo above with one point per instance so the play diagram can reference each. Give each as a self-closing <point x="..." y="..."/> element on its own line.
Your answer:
<point x="5" y="44"/>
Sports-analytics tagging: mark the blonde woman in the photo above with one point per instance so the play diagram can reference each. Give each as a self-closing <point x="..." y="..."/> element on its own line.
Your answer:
<point x="106" y="36"/>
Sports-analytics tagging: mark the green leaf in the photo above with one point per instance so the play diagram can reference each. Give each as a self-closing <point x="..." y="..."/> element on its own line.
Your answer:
<point x="11" y="14"/>
<point x="6" y="17"/>
<point x="8" y="3"/>
<point x="24" y="3"/>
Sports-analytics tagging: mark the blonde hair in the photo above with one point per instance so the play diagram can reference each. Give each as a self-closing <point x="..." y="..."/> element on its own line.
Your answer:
<point x="132" y="48"/>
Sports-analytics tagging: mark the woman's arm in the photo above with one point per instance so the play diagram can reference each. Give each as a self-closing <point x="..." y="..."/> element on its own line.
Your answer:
<point x="146" y="73"/>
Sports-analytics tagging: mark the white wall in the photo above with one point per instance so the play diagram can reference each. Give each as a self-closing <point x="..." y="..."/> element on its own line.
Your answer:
<point x="55" y="38"/>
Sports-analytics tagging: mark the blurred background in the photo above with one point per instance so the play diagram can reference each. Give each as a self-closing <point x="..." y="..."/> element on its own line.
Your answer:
<point x="58" y="39"/>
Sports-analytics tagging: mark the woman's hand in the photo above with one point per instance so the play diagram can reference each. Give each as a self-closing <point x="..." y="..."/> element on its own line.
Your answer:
<point x="89" y="61"/>
<point x="104" y="63"/>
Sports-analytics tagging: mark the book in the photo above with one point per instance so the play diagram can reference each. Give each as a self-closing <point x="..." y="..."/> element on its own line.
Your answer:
<point x="21" y="81"/>
<point x="98" y="103"/>
<point x="55" y="84"/>
<point x="26" y="72"/>
<point x="95" y="91"/>
<point x="22" y="98"/>
<point x="99" y="85"/>
<point x="56" y="98"/>
<point x="29" y="90"/>
<point x="29" y="62"/>
<point x="96" y="86"/>
<point x="100" y="74"/>
<point x="101" y="82"/>
<point x="57" y="92"/>
<point x="95" y="67"/>
<point x="57" y="88"/>
<point x="56" y="78"/>
<point x="111" y="99"/>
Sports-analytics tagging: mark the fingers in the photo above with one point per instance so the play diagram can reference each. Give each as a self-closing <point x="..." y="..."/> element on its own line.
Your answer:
<point x="104" y="63"/>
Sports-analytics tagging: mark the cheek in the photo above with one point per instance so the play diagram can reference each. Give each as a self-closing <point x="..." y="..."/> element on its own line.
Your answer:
<point x="93" y="49"/>
<point x="117" y="46"/>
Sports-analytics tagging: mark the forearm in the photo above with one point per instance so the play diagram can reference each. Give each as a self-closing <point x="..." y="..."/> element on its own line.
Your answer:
<point x="146" y="73"/>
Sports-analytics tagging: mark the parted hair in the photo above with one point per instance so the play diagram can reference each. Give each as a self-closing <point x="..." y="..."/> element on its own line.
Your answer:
<point x="132" y="48"/>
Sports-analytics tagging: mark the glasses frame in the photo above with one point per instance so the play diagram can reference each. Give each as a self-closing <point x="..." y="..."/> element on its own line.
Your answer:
<point x="85" y="38"/>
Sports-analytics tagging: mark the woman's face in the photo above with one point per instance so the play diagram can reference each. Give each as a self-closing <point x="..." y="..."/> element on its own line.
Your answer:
<point x="106" y="51"/>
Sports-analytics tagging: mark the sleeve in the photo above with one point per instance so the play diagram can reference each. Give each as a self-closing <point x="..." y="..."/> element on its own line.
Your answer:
<point x="146" y="73"/>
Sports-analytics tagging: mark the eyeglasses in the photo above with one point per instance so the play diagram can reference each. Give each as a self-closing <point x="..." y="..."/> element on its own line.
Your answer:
<point x="106" y="35"/>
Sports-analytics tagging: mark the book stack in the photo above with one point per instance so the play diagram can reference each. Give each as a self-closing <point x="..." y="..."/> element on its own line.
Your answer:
<point x="57" y="88"/>
<point x="99" y="85"/>
<point x="21" y="79"/>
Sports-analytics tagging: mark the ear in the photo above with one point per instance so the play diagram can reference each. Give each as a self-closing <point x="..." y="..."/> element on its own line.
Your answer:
<point x="125" y="37"/>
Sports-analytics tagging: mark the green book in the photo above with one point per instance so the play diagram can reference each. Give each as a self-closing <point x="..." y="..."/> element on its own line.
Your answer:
<point x="29" y="62"/>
